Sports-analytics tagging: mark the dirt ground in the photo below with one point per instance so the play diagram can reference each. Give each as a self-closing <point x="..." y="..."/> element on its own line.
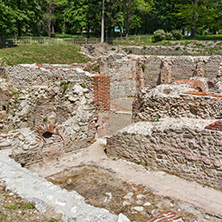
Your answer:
<point x="16" y="209"/>
<point x="101" y="189"/>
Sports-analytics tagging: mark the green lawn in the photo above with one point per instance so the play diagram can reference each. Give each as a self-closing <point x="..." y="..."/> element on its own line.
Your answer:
<point x="41" y="53"/>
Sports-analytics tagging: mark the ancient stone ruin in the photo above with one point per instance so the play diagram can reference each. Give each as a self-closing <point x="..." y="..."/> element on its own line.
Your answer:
<point x="175" y="130"/>
<point x="47" y="111"/>
<point x="56" y="112"/>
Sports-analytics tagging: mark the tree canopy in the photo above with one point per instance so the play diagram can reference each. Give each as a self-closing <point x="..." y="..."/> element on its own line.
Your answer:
<point x="122" y="17"/>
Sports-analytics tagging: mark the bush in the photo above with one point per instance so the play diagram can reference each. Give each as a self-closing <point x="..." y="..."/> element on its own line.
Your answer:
<point x="168" y="36"/>
<point x="177" y="34"/>
<point x="159" y="35"/>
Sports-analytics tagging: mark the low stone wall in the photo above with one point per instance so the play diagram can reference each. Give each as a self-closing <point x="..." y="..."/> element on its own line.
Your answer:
<point x="182" y="147"/>
<point x="176" y="101"/>
<point x="130" y="73"/>
<point x="156" y="50"/>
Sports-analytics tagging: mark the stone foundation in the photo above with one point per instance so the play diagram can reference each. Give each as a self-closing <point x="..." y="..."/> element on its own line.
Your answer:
<point x="177" y="146"/>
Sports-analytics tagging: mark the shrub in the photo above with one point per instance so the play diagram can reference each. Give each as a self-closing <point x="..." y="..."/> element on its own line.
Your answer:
<point x="168" y="36"/>
<point x="177" y="34"/>
<point x="159" y="35"/>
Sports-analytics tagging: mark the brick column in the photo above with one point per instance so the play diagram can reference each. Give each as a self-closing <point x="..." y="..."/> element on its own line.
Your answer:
<point x="101" y="87"/>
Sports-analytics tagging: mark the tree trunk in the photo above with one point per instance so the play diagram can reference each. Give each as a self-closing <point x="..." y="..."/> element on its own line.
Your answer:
<point x="19" y="28"/>
<point x="120" y="32"/>
<point x="15" y="37"/>
<point x="49" y="28"/>
<point x="88" y="27"/>
<point x="39" y="29"/>
<point x="102" y="23"/>
<point x="127" y="18"/>
<point x="49" y="18"/>
<point x="81" y="32"/>
<point x="64" y="27"/>
<point x="53" y="28"/>
<point x="194" y="19"/>
<point x="3" y="40"/>
<point x="183" y="31"/>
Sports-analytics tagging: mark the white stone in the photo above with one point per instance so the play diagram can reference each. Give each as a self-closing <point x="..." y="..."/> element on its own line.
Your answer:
<point x="122" y="218"/>
<point x="147" y="204"/>
<point x="128" y="196"/>
<point x="126" y="203"/>
<point x="140" y="196"/>
<point x="138" y="208"/>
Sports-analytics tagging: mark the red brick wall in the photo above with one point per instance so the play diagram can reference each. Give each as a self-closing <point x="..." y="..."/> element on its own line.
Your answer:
<point x="196" y="84"/>
<point x="167" y="216"/>
<point x="215" y="126"/>
<point x="101" y="87"/>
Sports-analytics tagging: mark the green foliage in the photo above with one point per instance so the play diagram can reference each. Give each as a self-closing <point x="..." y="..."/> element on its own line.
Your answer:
<point x="83" y="85"/>
<point x="45" y="119"/>
<point x="65" y="87"/>
<point x="159" y="35"/>
<point x="143" y="67"/>
<point x="12" y="206"/>
<point x="53" y="220"/>
<point x="168" y="36"/>
<point x="29" y="206"/>
<point x="177" y="34"/>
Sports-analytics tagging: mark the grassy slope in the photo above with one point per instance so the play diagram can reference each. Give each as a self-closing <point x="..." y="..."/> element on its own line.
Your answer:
<point x="51" y="53"/>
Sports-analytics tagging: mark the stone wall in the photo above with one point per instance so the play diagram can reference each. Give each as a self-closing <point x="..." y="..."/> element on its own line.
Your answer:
<point x="182" y="147"/>
<point x="128" y="73"/>
<point x="177" y="101"/>
<point x="122" y="72"/>
<point x="156" y="50"/>
<point x="68" y="98"/>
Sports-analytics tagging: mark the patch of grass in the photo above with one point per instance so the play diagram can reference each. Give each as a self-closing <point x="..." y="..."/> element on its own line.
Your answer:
<point x="83" y="85"/>
<point x="4" y="215"/>
<point x="42" y="53"/>
<point x="143" y="67"/>
<point x="29" y="206"/>
<point x="65" y="85"/>
<point x="12" y="206"/>
<point x="53" y="220"/>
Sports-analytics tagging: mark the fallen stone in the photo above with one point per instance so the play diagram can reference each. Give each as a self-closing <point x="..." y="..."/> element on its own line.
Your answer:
<point x="128" y="196"/>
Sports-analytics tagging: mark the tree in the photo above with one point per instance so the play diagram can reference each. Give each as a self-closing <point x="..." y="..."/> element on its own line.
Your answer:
<point x="102" y="22"/>
<point x="7" y="19"/>
<point x="25" y="14"/>
<point x="132" y="5"/>
<point x="197" y="13"/>
<point x="61" y="6"/>
<point x="83" y="14"/>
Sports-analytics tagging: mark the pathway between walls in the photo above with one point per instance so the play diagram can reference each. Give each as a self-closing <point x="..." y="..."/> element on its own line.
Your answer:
<point x="161" y="183"/>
